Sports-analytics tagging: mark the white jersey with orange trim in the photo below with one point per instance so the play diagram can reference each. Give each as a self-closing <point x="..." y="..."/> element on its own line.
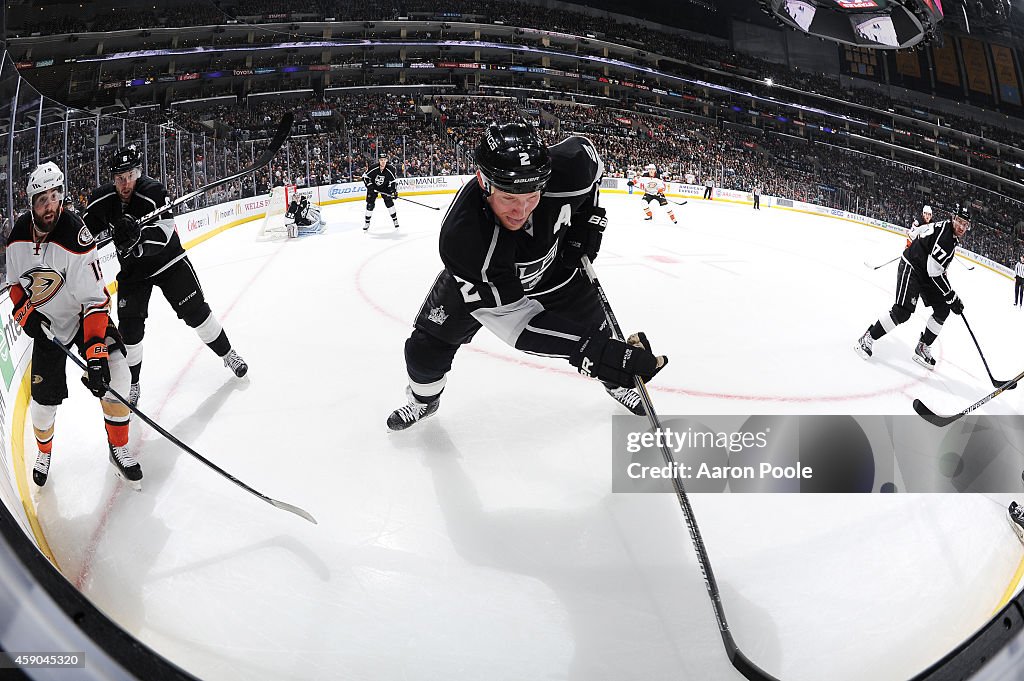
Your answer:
<point x="651" y="185"/>
<point x="916" y="229"/>
<point x="60" y="272"/>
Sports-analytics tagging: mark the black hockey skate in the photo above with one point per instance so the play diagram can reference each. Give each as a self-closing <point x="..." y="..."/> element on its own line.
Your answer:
<point x="923" y="356"/>
<point x="134" y="393"/>
<point x="126" y="467"/>
<point x="412" y="412"/>
<point x="630" y="399"/>
<point x="234" y="361"/>
<point x="42" y="469"/>
<point x="1016" y="514"/>
<point x="863" y="346"/>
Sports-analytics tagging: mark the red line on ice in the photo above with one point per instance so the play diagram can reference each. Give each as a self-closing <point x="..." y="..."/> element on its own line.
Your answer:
<point x="358" y="277"/>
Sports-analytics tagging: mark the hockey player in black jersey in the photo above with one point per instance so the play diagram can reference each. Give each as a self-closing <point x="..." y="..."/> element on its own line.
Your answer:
<point x="922" y="273"/>
<point x="380" y="180"/>
<point x="305" y="216"/>
<point x="511" y="245"/>
<point x="56" y="287"/>
<point x="150" y="255"/>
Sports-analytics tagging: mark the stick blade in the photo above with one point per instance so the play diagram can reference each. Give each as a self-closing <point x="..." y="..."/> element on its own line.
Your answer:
<point x="305" y="515"/>
<point x="746" y="667"/>
<point x="996" y="383"/>
<point x="931" y="417"/>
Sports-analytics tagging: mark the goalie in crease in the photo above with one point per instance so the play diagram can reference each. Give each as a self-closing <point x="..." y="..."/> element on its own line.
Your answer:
<point x="305" y="216"/>
<point x="150" y="256"/>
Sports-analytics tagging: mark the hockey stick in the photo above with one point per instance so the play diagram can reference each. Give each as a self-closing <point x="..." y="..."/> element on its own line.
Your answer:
<point x="679" y="203"/>
<point x="969" y="267"/>
<point x="402" y="198"/>
<point x="887" y="262"/>
<point x="941" y="421"/>
<point x="273" y="502"/>
<point x="284" y="128"/>
<point x="740" y="661"/>
<point x="995" y="382"/>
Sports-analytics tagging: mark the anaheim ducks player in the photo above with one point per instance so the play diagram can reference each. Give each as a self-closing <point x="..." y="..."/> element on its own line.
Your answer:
<point x="56" y="282"/>
<point x="654" y="190"/>
<point x="920" y="225"/>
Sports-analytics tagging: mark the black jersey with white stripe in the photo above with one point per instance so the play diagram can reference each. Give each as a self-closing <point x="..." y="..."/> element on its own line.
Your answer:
<point x="380" y="180"/>
<point x="501" y="271"/>
<point x="159" y="246"/>
<point x="932" y="251"/>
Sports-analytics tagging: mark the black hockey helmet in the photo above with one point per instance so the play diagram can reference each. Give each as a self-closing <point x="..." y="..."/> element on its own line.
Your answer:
<point x="513" y="159"/>
<point x="963" y="212"/>
<point x="125" y="158"/>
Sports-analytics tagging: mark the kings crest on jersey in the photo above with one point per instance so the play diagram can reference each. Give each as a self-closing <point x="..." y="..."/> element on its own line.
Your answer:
<point x="161" y="246"/>
<point x="60" y="273"/>
<point x="501" y="264"/>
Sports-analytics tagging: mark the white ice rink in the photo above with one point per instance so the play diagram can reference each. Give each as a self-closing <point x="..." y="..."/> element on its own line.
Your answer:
<point x="485" y="543"/>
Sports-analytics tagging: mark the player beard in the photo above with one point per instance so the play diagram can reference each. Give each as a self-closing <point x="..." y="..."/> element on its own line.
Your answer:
<point x="47" y="221"/>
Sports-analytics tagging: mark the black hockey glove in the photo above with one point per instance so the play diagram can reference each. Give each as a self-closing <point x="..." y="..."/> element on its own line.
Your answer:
<point x="127" y="233"/>
<point x="956" y="306"/>
<point x="583" y="236"/>
<point x="97" y="376"/>
<point x="26" y="314"/>
<point x="613" y="361"/>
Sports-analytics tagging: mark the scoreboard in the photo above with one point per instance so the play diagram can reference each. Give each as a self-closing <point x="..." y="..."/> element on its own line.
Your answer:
<point x="883" y="24"/>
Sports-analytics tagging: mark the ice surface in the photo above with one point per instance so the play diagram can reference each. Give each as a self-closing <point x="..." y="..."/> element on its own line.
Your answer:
<point x="485" y="543"/>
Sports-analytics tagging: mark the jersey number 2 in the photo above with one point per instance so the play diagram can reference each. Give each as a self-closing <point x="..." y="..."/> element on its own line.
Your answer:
<point x="468" y="290"/>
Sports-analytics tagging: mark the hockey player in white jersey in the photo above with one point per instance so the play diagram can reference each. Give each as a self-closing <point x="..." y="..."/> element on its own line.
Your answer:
<point x="57" y="290"/>
<point x="654" y="190"/>
<point x="920" y="224"/>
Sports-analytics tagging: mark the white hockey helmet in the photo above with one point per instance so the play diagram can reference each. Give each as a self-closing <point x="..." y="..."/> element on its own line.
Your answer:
<point x="927" y="209"/>
<point x="651" y="166"/>
<point x="44" y="178"/>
